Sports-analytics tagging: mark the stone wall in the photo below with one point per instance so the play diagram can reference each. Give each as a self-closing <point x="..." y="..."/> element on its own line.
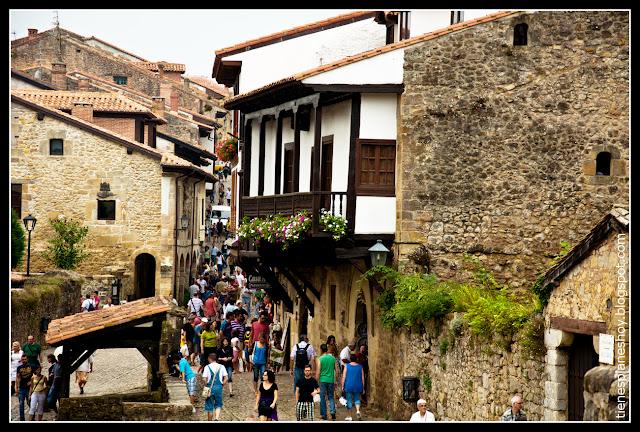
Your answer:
<point x="470" y="379"/>
<point x="107" y="407"/>
<point x="497" y="142"/>
<point x="605" y="396"/>
<point x="55" y="185"/>
<point x="52" y="295"/>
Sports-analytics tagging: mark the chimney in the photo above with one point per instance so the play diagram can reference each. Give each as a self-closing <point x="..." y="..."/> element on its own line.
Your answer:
<point x="83" y="84"/>
<point x="158" y="106"/>
<point x="58" y="76"/>
<point x="165" y="91"/>
<point x="174" y="100"/>
<point x="32" y="32"/>
<point x="83" y="110"/>
<point x="161" y="66"/>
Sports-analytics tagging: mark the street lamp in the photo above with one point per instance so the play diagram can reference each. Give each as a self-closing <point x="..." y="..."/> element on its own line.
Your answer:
<point x="378" y="254"/>
<point x="29" y="224"/>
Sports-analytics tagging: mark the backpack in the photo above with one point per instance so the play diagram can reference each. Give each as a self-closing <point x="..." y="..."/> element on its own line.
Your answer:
<point x="301" y="356"/>
<point x="91" y="307"/>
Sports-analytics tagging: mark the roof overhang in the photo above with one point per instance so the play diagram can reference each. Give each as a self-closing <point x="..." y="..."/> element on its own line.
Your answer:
<point x="278" y="94"/>
<point x="197" y="150"/>
<point x="29" y="79"/>
<point x="226" y="72"/>
<point x="191" y="171"/>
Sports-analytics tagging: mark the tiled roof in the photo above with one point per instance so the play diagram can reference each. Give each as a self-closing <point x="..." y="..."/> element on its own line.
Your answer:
<point x="113" y="46"/>
<point x="210" y="84"/>
<point x="296" y="31"/>
<point x="171" y="160"/>
<point x="64" y="100"/>
<point x="617" y="216"/>
<point x="83" y="323"/>
<point x="168" y="67"/>
<point x="375" y="52"/>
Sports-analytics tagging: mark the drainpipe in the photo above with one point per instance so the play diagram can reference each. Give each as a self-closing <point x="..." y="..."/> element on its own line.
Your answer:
<point x="193" y="226"/>
<point x="175" y="246"/>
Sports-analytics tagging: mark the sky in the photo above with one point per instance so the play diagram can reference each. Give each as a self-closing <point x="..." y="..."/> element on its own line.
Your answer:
<point x="190" y="36"/>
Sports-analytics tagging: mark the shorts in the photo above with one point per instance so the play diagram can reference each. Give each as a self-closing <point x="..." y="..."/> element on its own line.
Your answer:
<point x="82" y="376"/>
<point x="353" y="398"/>
<point x="215" y="400"/>
<point x="37" y="400"/>
<point x="191" y="386"/>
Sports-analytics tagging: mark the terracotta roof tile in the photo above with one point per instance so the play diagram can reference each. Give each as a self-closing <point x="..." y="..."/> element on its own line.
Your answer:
<point x="287" y="34"/>
<point x="64" y="100"/>
<point x="88" y="322"/>
<point x="168" y="67"/>
<point x="374" y="52"/>
<point x="210" y="84"/>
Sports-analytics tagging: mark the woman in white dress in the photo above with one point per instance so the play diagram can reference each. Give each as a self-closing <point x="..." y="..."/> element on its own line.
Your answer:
<point x="16" y="355"/>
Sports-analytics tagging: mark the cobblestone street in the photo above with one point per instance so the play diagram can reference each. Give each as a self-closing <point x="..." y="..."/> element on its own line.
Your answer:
<point x="124" y="370"/>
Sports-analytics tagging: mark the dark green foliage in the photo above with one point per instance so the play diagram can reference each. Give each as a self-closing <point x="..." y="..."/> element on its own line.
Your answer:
<point x="17" y="240"/>
<point x="544" y="292"/>
<point x="65" y="249"/>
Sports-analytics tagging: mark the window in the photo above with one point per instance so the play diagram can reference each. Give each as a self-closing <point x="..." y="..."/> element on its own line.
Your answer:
<point x="56" y="147"/>
<point x="457" y="17"/>
<point x="520" y="34"/>
<point x="16" y="198"/>
<point x="603" y="164"/>
<point x="375" y="174"/>
<point x="120" y="80"/>
<point x="332" y="302"/>
<point x="106" y="210"/>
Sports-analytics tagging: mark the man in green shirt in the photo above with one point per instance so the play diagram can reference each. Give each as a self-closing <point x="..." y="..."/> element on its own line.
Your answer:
<point x="326" y="375"/>
<point x="32" y="350"/>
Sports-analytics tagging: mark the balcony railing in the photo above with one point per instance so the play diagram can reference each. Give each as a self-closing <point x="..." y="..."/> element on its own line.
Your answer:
<point x="291" y="203"/>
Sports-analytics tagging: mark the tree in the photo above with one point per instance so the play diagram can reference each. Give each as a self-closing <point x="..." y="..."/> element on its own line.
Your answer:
<point x="65" y="249"/>
<point x="17" y="240"/>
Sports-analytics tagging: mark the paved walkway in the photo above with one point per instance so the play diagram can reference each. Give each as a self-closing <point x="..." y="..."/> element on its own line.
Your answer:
<point x="124" y="370"/>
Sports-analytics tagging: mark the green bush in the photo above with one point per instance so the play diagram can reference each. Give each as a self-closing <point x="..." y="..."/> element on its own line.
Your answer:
<point x="498" y="314"/>
<point x="444" y="347"/>
<point x="65" y="249"/>
<point x="17" y="240"/>
<point x="533" y="336"/>
<point x="544" y="292"/>
<point x="426" y="381"/>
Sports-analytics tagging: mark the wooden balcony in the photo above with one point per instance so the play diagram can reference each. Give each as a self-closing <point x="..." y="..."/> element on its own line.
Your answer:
<point x="291" y="203"/>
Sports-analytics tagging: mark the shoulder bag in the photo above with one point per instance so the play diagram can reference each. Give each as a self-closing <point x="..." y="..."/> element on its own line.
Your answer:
<point x="206" y="391"/>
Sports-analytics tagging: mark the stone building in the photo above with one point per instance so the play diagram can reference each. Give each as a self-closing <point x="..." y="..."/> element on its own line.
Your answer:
<point x="589" y="301"/>
<point x="144" y="224"/>
<point x="509" y="134"/>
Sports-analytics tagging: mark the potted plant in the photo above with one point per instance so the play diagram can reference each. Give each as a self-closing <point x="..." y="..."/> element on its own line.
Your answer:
<point x="228" y="150"/>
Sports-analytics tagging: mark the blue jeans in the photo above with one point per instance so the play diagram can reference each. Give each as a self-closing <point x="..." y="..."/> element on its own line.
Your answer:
<point x="23" y="394"/>
<point x="258" y="371"/>
<point x="52" y="397"/>
<point x="326" y="389"/>
<point x="298" y="374"/>
<point x="353" y="398"/>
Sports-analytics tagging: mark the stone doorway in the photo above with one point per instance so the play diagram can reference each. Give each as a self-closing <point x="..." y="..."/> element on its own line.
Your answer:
<point x="145" y="280"/>
<point x="582" y="357"/>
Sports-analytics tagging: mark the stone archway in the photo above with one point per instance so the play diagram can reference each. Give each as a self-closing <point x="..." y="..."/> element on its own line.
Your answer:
<point x="145" y="276"/>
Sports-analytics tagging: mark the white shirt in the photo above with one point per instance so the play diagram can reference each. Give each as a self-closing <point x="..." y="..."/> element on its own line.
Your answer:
<point x="15" y="362"/>
<point x="86" y="365"/>
<point x="310" y="351"/>
<point x="203" y="284"/>
<point x="428" y="417"/>
<point x="216" y="368"/>
<point x="86" y="303"/>
<point x="345" y="354"/>
<point x="195" y="304"/>
<point x="107" y="305"/>
<point x="228" y="194"/>
<point x="241" y="280"/>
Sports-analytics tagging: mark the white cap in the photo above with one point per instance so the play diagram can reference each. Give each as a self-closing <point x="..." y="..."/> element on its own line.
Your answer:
<point x="421" y="401"/>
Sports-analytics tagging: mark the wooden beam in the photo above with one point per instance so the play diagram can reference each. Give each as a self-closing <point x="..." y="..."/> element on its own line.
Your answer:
<point x="300" y="290"/>
<point x="75" y="364"/>
<point x="300" y="275"/>
<point x="571" y="325"/>
<point x="315" y="171"/>
<point x="351" y="185"/>
<point x="296" y="151"/>
<point x="278" y="172"/>
<point x="279" y="290"/>
<point x="362" y="88"/>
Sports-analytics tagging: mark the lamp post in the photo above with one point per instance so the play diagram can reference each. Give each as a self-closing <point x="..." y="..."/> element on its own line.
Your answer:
<point x="378" y="254"/>
<point x="29" y="224"/>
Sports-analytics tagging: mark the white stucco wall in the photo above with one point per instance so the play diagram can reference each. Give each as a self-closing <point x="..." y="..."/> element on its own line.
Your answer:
<point x="20" y="84"/>
<point x="336" y="121"/>
<point x="382" y="69"/>
<point x="270" y="157"/>
<point x="255" y="157"/>
<point x="263" y="65"/>
<point x="375" y="215"/>
<point x="287" y="137"/>
<point x="306" y="142"/>
<point x="164" y="145"/>
<point x="165" y="189"/>
<point x="378" y="116"/>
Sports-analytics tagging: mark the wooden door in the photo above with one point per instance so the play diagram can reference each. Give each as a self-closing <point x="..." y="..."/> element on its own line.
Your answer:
<point x="288" y="170"/>
<point x="326" y="170"/>
<point x="582" y="357"/>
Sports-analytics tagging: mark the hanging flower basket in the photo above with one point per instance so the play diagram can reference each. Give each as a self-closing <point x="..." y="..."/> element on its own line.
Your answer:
<point x="228" y="150"/>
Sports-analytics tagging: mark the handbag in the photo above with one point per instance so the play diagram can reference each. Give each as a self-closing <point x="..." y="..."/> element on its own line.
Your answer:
<point x="206" y="391"/>
<point x="252" y="351"/>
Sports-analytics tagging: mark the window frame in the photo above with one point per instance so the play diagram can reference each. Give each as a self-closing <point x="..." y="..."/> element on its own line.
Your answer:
<point x="600" y="164"/>
<point x="126" y="79"/>
<point x="374" y="190"/>
<point x="51" y="141"/>
<point x="98" y="210"/>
